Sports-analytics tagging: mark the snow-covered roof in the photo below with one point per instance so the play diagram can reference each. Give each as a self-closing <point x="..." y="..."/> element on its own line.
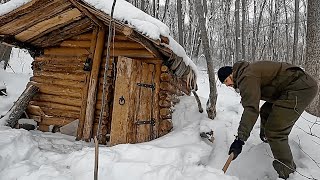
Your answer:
<point x="143" y="23"/>
<point x="129" y="15"/>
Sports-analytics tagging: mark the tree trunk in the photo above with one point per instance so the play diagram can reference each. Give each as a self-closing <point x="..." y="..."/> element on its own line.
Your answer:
<point x="313" y="50"/>
<point x="165" y="10"/>
<point x="13" y="115"/>
<point x="287" y="32"/>
<point x="142" y="5"/>
<point x="180" y="23"/>
<point x="296" y="29"/>
<point x="237" y="30"/>
<point x="258" y="31"/>
<point x="211" y="104"/>
<point x="5" y="52"/>
<point x="243" y="38"/>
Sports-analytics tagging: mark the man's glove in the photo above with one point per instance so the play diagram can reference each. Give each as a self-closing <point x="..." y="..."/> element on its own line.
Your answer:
<point x="236" y="148"/>
<point x="263" y="136"/>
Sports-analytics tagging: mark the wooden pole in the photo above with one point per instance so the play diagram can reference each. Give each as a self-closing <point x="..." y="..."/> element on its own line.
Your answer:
<point x="96" y="158"/>
<point x="226" y="165"/>
<point x="85" y="88"/>
<point x="92" y="91"/>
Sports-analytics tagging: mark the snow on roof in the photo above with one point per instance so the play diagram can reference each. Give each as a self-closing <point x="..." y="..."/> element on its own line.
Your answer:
<point x="11" y="5"/>
<point x="143" y="23"/>
<point x="126" y="12"/>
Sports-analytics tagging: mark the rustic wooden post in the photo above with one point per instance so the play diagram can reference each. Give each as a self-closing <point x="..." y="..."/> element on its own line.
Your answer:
<point x="13" y="115"/>
<point x="85" y="88"/>
<point x="92" y="91"/>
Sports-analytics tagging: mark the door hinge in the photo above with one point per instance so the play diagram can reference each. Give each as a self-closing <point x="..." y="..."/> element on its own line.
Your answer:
<point x="152" y="86"/>
<point x="152" y="122"/>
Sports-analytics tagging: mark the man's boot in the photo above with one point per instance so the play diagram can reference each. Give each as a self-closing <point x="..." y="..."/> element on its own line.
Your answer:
<point x="283" y="170"/>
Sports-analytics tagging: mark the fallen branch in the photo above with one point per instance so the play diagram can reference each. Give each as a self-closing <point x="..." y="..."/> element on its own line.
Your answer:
<point x="198" y="101"/>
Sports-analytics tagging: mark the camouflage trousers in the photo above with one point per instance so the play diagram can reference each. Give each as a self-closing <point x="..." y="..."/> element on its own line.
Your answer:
<point x="278" y="118"/>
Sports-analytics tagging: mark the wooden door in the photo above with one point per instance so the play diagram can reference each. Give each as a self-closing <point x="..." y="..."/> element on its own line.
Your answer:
<point x="134" y="106"/>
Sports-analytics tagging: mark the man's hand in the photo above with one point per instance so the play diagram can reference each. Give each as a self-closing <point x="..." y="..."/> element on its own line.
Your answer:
<point x="236" y="148"/>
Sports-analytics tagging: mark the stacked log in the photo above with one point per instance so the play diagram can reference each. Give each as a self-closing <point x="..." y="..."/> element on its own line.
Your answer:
<point x="61" y="79"/>
<point x="171" y="88"/>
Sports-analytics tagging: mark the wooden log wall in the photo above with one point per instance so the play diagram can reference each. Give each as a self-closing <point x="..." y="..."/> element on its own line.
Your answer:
<point x="171" y="88"/>
<point x="61" y="80"/>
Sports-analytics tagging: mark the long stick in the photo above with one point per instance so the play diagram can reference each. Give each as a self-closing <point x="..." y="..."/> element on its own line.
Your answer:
<point x="226" y="165"/>
<point x="96" y="158"/>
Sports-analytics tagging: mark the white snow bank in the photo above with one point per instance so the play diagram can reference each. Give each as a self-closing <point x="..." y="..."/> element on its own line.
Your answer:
<point x="15" y="146"/>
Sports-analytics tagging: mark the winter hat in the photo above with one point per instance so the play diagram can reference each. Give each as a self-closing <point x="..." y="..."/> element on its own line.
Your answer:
<point x="224" y="72"/>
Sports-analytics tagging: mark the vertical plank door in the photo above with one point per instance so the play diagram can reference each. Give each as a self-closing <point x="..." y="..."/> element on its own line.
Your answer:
<point x="133" y="117"/>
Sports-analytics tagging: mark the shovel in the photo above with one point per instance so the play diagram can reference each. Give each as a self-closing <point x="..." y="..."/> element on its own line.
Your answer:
<point x="226" y="165"/>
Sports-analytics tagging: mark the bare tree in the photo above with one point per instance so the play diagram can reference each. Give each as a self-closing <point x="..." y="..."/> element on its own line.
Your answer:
<point x="287" y="31"/>
<point x="5" y="51"/>
<point x="313" y="50"/>
<point x="237" y="29"/>
<point x="211" y="103"/>
<point x="255" y="42"/>
<point x="296" y="29"/>
<point x="165" y="9"/>
<point x="243" y="38"/>
<point x="180" y="23"/>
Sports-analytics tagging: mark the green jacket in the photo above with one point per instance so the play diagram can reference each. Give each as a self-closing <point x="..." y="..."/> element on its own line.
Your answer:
<point x="263" y="80"/>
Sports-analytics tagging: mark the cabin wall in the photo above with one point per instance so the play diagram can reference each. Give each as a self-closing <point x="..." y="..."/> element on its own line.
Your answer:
<point x="62" y="81"/>
<point x="171" y="88"/>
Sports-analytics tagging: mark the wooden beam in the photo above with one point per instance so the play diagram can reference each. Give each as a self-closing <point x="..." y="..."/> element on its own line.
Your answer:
<point x="87" y="13"/>
<point x="60" y="75"/>
<point x="11" y="40"/>
<point x="58" y="121"/>
<point x="56" y="81"/>
<point x="57" y="90"/>
<point x="143" y="41"/>
<point x="66" y="60"/>
<point x="67" y="100"/>
<point x="22" y="10"/>
<point x="17" y="25"/>
<point x="84" y="97"/>
<point x="62" y="19"/>
<point x="72" y="30"/>
<point x="92" y="91"/>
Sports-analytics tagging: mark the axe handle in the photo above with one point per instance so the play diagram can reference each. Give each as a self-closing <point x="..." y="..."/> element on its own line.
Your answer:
<point x="226" y="165"/>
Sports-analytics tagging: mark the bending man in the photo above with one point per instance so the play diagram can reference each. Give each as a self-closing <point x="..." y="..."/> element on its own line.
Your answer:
<point x="287" y="90"/>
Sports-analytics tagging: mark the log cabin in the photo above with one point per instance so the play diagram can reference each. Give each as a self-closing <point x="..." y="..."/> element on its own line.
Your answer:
<point x="101" y="71"/>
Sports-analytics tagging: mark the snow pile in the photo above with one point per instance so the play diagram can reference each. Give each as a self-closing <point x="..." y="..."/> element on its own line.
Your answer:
<point x="15" y="146"/>
<point x="179" y="155"/>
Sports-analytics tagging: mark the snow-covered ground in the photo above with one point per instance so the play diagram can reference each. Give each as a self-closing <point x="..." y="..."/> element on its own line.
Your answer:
<point x="180" y="155"/>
